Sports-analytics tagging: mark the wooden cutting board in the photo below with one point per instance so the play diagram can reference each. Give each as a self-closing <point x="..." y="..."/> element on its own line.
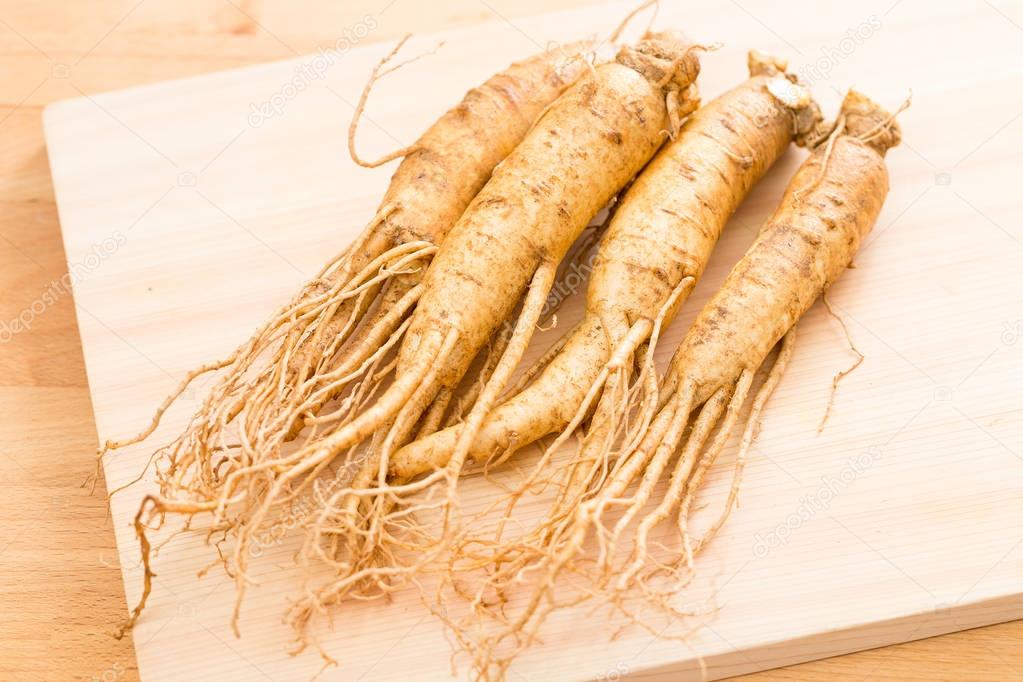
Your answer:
<point x="191" y="209"/>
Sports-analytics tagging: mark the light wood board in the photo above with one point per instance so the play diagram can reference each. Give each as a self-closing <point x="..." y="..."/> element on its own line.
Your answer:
<point x="189" y="224"/>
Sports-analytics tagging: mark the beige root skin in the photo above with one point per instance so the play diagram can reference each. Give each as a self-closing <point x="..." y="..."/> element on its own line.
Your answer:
<point x="831" y="203"/>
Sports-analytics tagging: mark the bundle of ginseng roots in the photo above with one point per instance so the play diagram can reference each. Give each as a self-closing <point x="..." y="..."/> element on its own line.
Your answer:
<point x="390" y="372"/>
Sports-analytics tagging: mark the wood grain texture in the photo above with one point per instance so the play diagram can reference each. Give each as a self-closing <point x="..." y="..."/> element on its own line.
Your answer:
<point x="58" y="571"/>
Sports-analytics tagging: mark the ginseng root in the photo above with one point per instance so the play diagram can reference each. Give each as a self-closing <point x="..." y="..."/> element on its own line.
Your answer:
<point x="505" y="248"/>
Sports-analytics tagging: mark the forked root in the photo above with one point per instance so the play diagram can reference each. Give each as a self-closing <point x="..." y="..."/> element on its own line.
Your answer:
<point x="153" y="506"/>
<point x="837" y="379"/>
<point x="370" y="533"/>
<point x="299" y="469"/>
<point x="608" y="403"/>
<point x="657" y="579"/>
<point x="606" y="568"/>
<point x="505" y="561"/>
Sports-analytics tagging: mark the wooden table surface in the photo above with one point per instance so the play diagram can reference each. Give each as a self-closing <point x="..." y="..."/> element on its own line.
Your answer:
<point x="60" y="585"/>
